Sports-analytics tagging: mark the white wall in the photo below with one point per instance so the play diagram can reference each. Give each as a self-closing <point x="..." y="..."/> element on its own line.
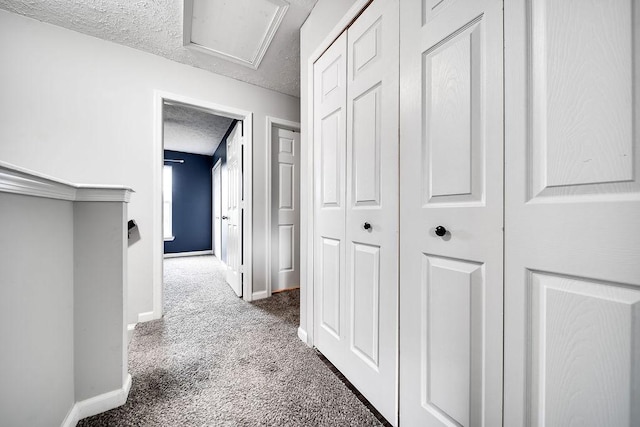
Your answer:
<point x="324" y="16"/>
<point x="36" y="310"/>
<point x="81" y="109"/>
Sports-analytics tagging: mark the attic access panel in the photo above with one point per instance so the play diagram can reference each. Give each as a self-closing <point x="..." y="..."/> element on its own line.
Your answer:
<point x="236" y="30"/>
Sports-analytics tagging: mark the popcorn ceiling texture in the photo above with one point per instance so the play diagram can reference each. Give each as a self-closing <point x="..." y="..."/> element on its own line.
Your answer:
<point x="193" y="131"/>
<point x="155" y="26"/>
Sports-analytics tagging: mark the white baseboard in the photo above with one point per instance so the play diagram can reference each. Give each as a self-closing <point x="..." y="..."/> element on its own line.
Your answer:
<point x="145" y="317"/>
<point x="130" y="328"/>
<point x="302" y="334"/>
<point x="181" y="254"/>
<point x="259" y="295"/>
<point x="98" y="404"/>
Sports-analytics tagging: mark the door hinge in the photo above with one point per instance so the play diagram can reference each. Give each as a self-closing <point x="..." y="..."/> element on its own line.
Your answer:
<point x="241" y="268"/>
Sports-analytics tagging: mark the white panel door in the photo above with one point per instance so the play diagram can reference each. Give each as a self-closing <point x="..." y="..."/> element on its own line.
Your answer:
<point x="451" y="269"/>
<point x="572" y="253"/>
<point x="216" y="175"/>
<point x="329" y="134"/>
<point x="234" y="209"/>
<point x="285" y="209"/>
<point x="372" y="201"/>
<point x="356" y="204"/>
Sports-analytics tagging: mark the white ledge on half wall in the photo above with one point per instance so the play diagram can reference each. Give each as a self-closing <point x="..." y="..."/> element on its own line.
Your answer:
<point x="17" y="180"/>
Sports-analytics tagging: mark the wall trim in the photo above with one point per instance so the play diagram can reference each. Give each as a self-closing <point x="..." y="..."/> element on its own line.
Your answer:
<point x="274" y="122"/>
<point x="98" y="404"/>
<point x="246" y="117"/>
<point x="183" y="254"/>
<point x="302" y="334"/>
<point x="306" y="210"/>
<point x="146" y="317"/>
<point x="259" y="295"/>
<point x="17" y="180"/>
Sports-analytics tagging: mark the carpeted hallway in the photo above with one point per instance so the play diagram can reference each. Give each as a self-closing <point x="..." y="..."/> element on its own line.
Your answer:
<point x="215" y="360"/>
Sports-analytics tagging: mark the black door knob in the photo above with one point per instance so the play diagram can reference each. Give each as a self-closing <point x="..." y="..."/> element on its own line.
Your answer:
<point x="367" y="226"/>
<point x="441" y="231"/>
<point x="225" y="217"/>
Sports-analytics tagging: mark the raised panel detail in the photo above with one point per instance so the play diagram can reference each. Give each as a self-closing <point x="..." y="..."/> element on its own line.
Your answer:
<point x="584" y="352"/>
<point x="452" y="335"/>
<point x="286" y="248"/>
<point x="365" y="49"/>
<point x="330" y="160"/>
<point x="331" y="77"/>
<point x="330" y="286"/>
<point x="365" y="288"/>
<point x="431" y="8"/>
<point x="286" y="146"/>
<point x="285" y="186"/>
<point x="366" y="148"/>
<point x="582" y="137"/>
<point x="453" y="168"/>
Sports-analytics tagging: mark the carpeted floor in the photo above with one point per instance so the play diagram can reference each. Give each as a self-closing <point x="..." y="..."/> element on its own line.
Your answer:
<point x="215" y="360"/>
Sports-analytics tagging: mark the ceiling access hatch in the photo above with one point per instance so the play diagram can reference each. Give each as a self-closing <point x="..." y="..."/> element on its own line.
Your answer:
<point x="236" y="30"/>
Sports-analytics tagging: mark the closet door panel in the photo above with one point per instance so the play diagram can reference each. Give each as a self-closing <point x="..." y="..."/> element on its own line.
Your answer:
<point x="329" y="200"/>
<point x="372" y="204"/>
<point x="451" y="251"/>
<point x="572" y="213"/>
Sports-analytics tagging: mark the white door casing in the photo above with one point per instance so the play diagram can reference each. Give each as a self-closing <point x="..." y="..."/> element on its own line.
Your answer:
<point x="572" y="213"/>
<point x="285" y="207"/>
<point x="356" y="204"/>
<point x="451" y="128"/>
<point x="234" y="209"/>
<point x="216" y="183"/>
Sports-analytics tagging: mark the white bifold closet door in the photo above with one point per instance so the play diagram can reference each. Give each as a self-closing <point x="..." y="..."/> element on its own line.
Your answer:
<point x="572" y="223"/>
<point x="451" y="220"/>
<point x="356" y="204"/>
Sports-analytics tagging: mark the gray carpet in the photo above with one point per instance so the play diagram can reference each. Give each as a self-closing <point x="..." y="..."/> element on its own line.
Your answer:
<point x="215" y="360"/>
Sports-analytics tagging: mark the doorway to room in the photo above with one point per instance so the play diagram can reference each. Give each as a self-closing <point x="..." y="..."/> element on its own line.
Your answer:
<point x="204" y="152"/>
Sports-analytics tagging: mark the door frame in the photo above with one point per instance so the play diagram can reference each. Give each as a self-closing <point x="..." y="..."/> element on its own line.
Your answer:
<point x="307" y="219"/>
<point x="274" y="123"/>
<point x="217" y="165"/>
<point x="246" y="117"/>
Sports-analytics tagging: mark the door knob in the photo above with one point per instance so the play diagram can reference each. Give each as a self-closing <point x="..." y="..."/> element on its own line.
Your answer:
<point x="441" y="231"/>
<point x="225" y="217"/>
<point x="366" y="226"/>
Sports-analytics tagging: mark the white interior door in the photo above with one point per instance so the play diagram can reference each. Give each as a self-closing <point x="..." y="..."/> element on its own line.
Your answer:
<point x="285" y="210"/>
<point x="572" y="300"/>
<point x="216" y="176"/>
<point x="452" y="213"/>
<point x="357" y="204"/>
<point x="234" y="209"/>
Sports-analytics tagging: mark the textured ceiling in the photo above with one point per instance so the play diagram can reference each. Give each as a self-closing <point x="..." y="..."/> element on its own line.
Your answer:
<point x="193" y="131"/>
<point x="155" y="26"/>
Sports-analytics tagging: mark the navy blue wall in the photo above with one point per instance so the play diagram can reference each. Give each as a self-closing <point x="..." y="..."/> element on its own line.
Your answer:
<point x="191" y="202"/>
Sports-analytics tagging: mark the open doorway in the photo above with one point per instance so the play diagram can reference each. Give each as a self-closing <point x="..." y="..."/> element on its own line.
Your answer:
<point x="188" y="153"/>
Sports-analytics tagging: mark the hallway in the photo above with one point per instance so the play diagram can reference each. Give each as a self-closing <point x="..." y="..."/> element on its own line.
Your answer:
<point x="216" y="360"/>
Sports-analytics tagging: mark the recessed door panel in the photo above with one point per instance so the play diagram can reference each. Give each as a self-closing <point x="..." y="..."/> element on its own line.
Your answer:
<point x="286" y="196"/>
<point x="366" y="148"/>
<point x="365" y="285"/>
<point x="331" y="159"/>
<point x="453" y="138"/>
<point x="452" y="314"/>
<point x="329" y="286"/>
<point x="365" y="49"/>
<point x="287" y="248"/>
<point x="584" y="351"/>
<point x="582" y="94"/>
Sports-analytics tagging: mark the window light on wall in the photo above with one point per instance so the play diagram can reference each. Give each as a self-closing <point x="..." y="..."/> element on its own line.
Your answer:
<point x="167" y="202"/>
